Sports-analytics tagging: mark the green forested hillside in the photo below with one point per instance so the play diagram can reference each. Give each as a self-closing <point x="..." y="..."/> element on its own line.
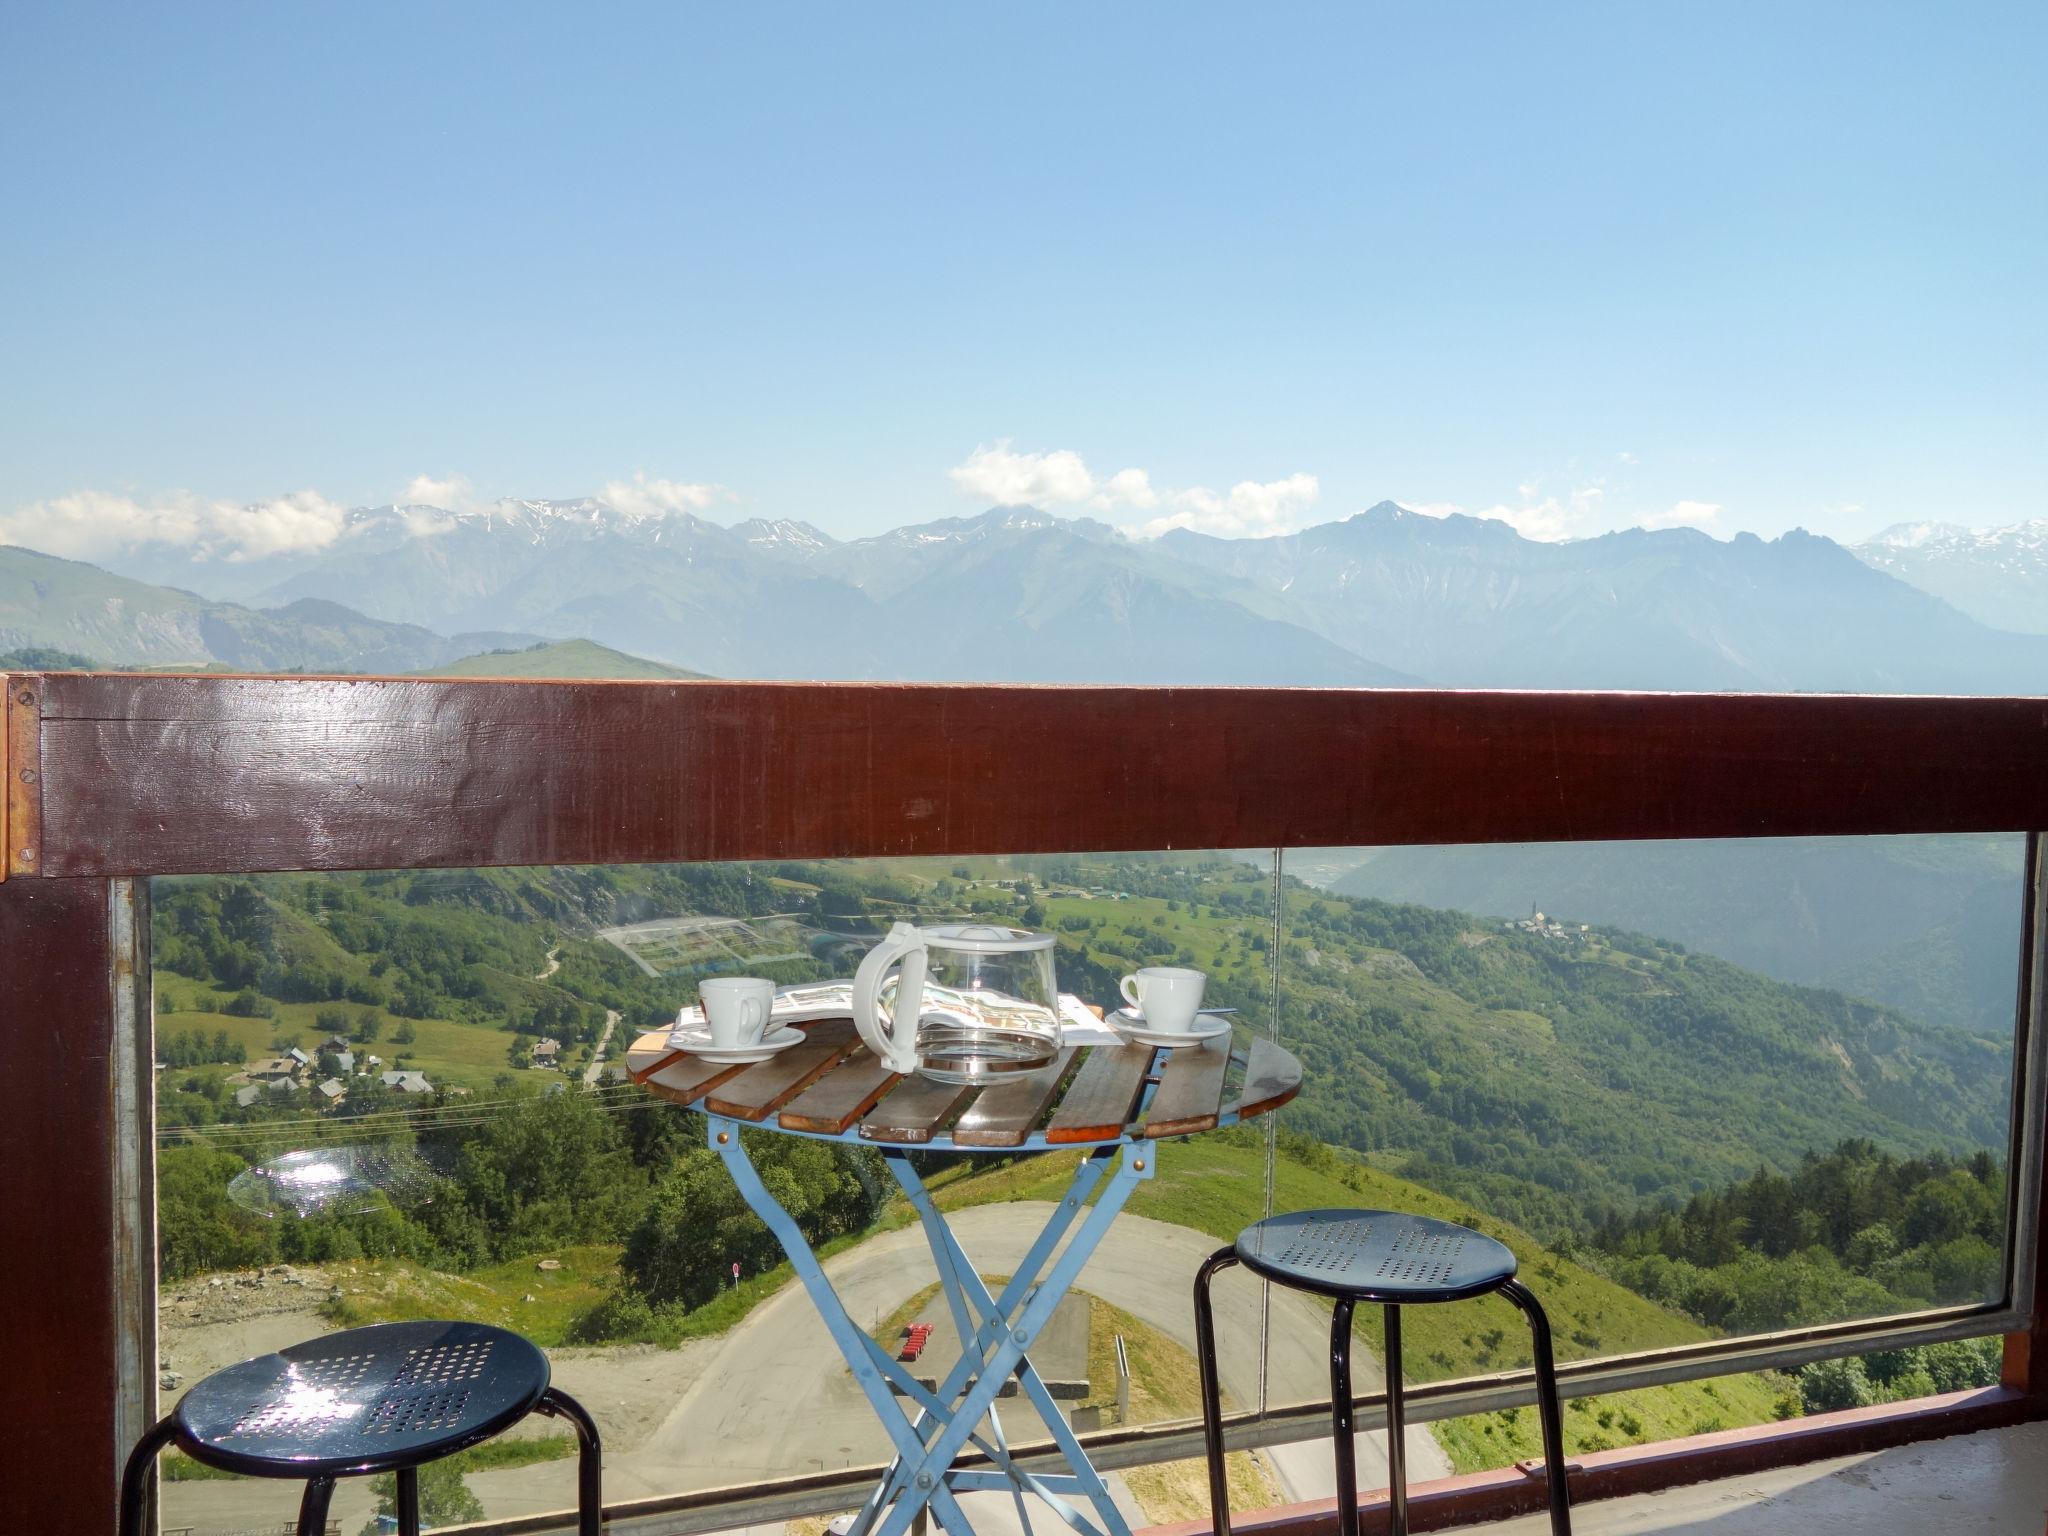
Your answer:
<point x="559" y="658"/>
<point x="1556" y="1078"/>
<point x="1930" y="925"/>
<point x="1854" y="1232"/>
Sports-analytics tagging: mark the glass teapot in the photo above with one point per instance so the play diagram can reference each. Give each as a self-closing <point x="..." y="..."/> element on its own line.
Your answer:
<point x="960" y="1002"/>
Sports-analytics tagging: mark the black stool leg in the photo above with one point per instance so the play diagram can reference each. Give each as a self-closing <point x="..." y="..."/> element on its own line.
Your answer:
<point x="1546" y="1406"/>
<point x="135" y="1476"/>
<point x="589" y="1459"/>
<point x="1212" y="1391"/>
<point x="313" y="1506"/>
<point x="408" y="1480"/>
<point x="1343" y="1428"/>
<point x="1397" y="1431"/>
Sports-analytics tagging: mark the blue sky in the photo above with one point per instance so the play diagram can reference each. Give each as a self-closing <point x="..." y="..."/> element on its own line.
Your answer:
<point x="1241" y="268"/>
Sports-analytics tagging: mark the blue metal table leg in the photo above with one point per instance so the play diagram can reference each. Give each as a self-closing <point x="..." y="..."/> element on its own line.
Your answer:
<point x="952" y="1259"/>
<point x="1023" y="1328"/>
<point x="944" y="1258"/>
<point x="1086" y="1177"/>
<point x="922" y="1473"/>
<point x="872" y="1371"/>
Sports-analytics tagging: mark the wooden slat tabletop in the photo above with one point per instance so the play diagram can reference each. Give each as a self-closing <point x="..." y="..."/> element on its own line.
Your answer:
<point x="1271" y="1077"/>
<point x="1088" y="1095"/>
<point x="913" y="1110"/>
<point x="1008" y="1112"/>
<point x="773" y="1083"/>
<point x="1098" y="1105"/>
<point x="1190" y="1095"/>
<point x="841" y="1097"/>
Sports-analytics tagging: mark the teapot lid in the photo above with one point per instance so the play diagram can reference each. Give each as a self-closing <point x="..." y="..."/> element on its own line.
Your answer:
<point x="985" y="938"/>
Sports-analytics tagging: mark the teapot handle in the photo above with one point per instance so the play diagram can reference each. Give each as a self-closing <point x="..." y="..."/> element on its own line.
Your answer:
<point x="896" y="1044"/>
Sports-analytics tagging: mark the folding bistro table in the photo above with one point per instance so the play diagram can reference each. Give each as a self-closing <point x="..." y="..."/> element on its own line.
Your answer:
<point x="1110" y="1102"/>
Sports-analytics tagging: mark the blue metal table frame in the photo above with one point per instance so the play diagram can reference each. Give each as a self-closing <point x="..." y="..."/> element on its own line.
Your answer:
<point x="996" y="1333"/>
<point x="1175" y="1095"/>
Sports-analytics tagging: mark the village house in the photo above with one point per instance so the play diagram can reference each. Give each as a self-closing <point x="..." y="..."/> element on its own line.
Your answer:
<point x="547" y="1053"/>
<point x="407" y="1082"/>
<point x="332" y="1091"/>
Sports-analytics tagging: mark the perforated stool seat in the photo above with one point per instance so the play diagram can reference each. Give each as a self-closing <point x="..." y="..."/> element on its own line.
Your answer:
<point x="1383" y="1256"/>
<point x="381" y="1399"/>
<point x="1395" y="1260"/>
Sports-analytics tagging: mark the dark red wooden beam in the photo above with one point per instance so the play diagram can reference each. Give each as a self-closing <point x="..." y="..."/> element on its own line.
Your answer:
<point x="58" y="1280"/>
<point x="186" y="774"/>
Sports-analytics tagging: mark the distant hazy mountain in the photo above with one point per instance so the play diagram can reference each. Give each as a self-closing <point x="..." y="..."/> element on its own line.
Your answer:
<point x="1013" y="595"/>
<point x="1020" y="595"/>
<point x="1470" y="603"/>
<point x="1996" y="575"/>
<point x="65" y="604"/>
<point x="1928" y="925"/>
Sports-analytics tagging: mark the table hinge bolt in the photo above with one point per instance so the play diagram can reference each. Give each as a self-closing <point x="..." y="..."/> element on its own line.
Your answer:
<point x="1022" y="1335"/>
<point x="924" y="1482"/>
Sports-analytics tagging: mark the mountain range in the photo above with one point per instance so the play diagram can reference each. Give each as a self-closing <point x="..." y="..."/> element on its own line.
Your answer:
<point x="102" y="618"/>
<point x="1998" y="576"/>
<point x="1384" y="597"/>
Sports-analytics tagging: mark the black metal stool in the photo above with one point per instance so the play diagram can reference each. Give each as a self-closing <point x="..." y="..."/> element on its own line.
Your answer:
<point x="380" y="1399"/>
<point x="1394" y="1260"/>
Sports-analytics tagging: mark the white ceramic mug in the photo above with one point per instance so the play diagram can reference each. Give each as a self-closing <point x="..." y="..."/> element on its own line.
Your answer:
<point x="1168" y="996"/>
<point x="736" y="1009"/>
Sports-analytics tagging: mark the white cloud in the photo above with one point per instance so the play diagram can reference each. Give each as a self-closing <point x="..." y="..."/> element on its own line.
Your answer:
<point x="999" y="474"/>
<point x="1250" y="510"/>
<point x="89" y="524"/>
<point x="1551" y="518"/>
<point x="996" y="473"/>
<point x="451" y="493"/>
<point x="645" y="497"/>
<point x="1683" y="514"/>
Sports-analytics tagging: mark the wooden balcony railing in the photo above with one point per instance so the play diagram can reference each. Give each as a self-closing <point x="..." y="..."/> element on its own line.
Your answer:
<point x="112" y="778"/>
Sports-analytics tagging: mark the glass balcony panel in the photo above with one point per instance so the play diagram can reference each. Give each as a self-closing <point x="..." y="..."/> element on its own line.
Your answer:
<point x="1703" y="1090"/>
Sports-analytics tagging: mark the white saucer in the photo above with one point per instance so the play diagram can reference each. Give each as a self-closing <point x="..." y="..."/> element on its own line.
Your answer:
<point x="698" y="1044"/>
<point x="1132" y="1027"/>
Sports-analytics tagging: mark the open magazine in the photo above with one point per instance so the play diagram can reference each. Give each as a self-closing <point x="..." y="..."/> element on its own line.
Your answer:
<point x="1079" y="1024"/>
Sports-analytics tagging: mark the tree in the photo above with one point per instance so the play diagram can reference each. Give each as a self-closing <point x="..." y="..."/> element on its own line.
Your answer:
<point x="547" y="1171"/>
<point x="445" y="1498"/>
<point x="1829" y="1386"/>
<point x="405" y="1033"/>
<point x="697" y="1227"/>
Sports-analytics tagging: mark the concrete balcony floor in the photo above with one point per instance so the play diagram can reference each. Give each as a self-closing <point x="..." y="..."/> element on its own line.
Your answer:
<point x="1994" y="1483"/>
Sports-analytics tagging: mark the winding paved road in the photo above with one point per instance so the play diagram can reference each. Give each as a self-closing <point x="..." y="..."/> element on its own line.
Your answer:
<point x="591" y="1072"/>
<point x="774" y="1397"/>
